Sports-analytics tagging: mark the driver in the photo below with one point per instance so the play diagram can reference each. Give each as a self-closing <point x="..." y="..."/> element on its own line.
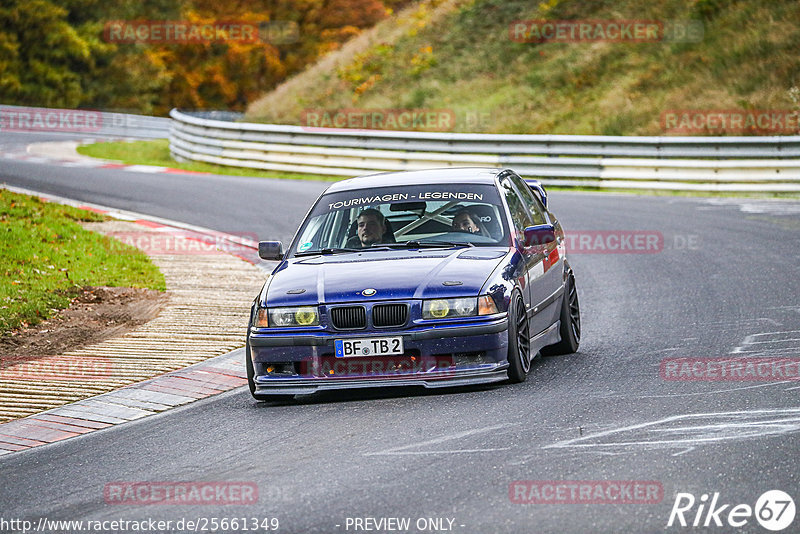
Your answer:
<point x="370" y="230"/>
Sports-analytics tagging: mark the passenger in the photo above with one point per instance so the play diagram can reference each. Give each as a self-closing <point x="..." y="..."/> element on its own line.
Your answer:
<point x="468" y="221"/>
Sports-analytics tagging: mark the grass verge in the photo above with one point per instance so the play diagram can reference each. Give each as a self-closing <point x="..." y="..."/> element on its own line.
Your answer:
<point x="461" y="56"/>
<point x="156" y="152"/>
<point x="46" y="256"/>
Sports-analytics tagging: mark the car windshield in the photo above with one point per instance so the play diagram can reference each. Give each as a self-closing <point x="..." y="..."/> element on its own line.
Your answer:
<point x="409" y="216"/>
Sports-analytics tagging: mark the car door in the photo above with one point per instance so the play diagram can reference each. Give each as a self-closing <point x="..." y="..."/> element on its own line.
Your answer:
<point x="520" y="219"/>
<point x="547" y="267"/>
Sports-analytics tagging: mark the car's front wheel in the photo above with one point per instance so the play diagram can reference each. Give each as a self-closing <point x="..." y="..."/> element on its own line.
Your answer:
<point x="251" y="383"/>
<point x="519" y="341"/>
<point x="570" y="322"/>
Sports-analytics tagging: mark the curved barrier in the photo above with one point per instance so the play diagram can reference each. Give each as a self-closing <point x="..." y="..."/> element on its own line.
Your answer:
<point x="769" y="164"/>
<point x="82" y="121"/>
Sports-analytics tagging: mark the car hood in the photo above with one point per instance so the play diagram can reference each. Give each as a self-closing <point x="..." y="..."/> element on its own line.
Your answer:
<point x="396" y="274"/>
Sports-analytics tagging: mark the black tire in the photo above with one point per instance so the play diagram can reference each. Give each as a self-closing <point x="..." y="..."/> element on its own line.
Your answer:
<point x="252" y="384"/>
<point x="519" y="341"/>
<point x="570" y="322"/>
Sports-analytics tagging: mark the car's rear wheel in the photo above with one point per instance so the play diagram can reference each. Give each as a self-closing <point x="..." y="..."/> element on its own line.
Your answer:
<point x="570" y="322"/>
<point x="251" y="383"/>
<point x="519" y="341"/>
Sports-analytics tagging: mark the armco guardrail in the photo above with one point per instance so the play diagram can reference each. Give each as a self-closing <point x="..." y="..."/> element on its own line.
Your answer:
<point x="678" y="163"/>
<point x="83" y="121"/>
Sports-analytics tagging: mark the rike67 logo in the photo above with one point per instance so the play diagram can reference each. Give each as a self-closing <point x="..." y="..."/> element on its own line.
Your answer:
<point x="774" y="510"/>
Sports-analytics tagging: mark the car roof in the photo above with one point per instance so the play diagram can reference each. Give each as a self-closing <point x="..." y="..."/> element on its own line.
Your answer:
<point x="449" y="175"/>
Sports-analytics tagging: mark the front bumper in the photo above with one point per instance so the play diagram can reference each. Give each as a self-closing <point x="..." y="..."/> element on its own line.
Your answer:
<point x="440" y="355"/>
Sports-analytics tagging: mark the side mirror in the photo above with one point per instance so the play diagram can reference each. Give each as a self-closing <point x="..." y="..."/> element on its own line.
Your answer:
<point x="270" y="250"/>
<point x="539" y="235"/>
<point x="538" y="190"/>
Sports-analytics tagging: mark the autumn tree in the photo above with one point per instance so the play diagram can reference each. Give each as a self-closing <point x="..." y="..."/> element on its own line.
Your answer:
<point x="53" y="52"/>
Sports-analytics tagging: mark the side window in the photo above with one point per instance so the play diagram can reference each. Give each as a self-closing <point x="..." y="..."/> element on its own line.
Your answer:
<point x="533" y="203"/>
<point x="519" y="214"/>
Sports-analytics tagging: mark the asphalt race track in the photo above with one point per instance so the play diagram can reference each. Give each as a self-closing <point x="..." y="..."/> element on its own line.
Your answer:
<point x="725" y="282"/>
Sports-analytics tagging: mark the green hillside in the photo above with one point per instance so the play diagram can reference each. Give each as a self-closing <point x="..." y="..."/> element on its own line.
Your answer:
<point x="458" y="55"/>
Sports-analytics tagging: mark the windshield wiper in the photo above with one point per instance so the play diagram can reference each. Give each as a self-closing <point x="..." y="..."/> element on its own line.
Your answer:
<point x="327" y="251"/>
<point x="429" y="244"/>
<point x="386" y="246"/>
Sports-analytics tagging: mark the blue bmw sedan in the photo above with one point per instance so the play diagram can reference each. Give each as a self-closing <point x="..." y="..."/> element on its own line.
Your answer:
<point x="433" y="278"/>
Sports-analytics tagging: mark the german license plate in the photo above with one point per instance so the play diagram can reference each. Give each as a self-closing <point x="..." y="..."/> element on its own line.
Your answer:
<point x="369" y="346"/>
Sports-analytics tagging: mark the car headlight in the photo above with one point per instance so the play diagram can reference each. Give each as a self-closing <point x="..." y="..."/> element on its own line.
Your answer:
<point x="446" y="308"/>
<point x="278" y="317"/>
<point x="461" y="307"/>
